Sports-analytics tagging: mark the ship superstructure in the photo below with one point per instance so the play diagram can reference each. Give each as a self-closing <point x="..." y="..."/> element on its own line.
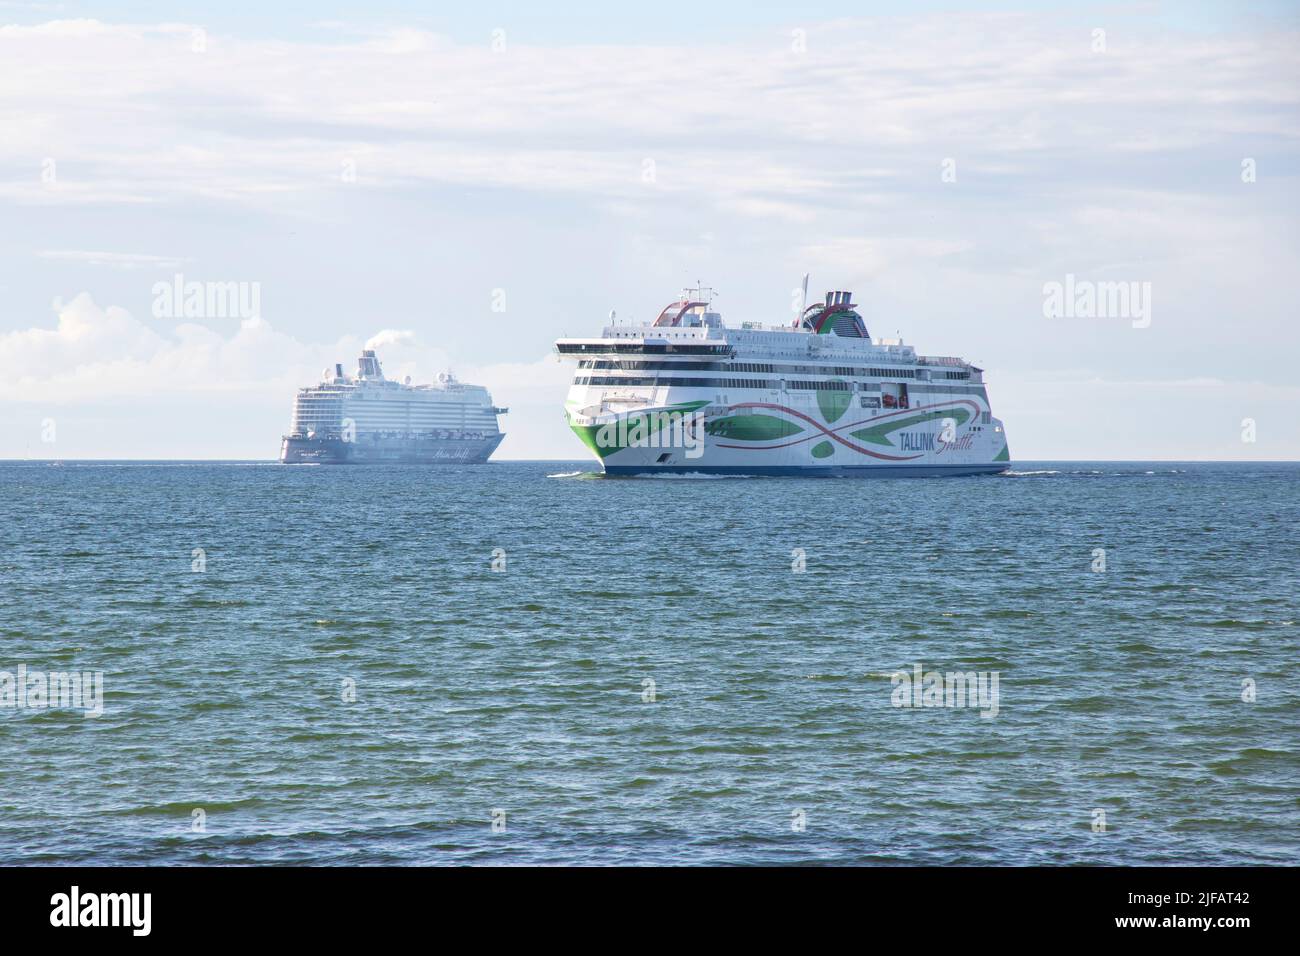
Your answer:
<point x="369" y="418"/>
<point x="818" y="396"/>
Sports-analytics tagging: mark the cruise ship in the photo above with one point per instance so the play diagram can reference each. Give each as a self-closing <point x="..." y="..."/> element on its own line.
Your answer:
<point x="368" y="418"/>
<point x="817" y="396"/>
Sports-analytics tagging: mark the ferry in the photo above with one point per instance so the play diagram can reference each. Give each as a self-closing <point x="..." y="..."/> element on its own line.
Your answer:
<point x="686" y="394"/>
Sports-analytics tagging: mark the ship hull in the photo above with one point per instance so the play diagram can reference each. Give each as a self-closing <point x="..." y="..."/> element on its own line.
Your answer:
<point x="365" y="450"/>
<point x="809" y="471"/>
<point x="953" y="437"/>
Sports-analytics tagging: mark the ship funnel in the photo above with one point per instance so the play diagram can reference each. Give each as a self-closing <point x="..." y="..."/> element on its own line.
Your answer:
<point x="368" y="365"/>
<point x="839" y="298"/>
<point x="338" y="369"/>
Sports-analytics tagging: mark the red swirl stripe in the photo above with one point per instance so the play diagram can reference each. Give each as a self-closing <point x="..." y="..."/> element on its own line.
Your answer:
<point x="831" y="432"/>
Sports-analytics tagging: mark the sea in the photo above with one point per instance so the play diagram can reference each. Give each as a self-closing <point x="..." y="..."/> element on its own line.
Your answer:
<point x="527" y="663"/>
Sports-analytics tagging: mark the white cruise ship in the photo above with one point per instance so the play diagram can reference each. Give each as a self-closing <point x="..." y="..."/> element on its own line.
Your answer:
<point x="367" y="418"/>
<point x="686" y="393"/>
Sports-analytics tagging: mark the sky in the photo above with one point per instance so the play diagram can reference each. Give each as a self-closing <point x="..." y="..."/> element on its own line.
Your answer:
<point x="458" y="185"/>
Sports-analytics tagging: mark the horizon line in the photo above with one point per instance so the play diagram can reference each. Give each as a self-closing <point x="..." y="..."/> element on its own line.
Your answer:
<point x="584" y="461"/>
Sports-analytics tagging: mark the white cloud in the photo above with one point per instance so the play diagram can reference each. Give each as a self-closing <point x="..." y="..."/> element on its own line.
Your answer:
<point x="862" y="257"/>
<point x="875" y="103"/>
<point x="116" y="260"/>
<point x="95" y="354"/>
<point x="63" y="29"/>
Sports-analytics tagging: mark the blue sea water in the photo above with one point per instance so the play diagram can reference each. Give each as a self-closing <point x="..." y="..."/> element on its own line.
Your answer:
<point x="521" y="695"/>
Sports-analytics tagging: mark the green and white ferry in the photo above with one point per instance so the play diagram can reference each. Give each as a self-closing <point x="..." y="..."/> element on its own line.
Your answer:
<point x="688" y="394"/>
